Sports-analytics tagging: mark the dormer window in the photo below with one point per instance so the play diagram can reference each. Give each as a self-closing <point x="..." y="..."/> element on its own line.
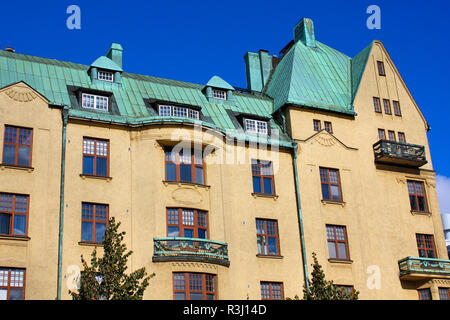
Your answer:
<point x="105" y="76"/>
<point x="256" y="126"/>
<point x="219" y="94"/>
<point x="177" y="111"/>
<point x="92" y="101"/>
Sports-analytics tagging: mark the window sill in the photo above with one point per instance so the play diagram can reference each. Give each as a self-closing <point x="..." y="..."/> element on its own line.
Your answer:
<point x="180" y="183"/>
<point x="12" y="237"/>
<point x="340" y="261"/>
<point x="84" y="176"/>
<point x="13" y="166"/>
<point x="341" y="203"/>
<point x="262" y="195"/>
<point x="268" y="256"/>
<point x="422" y="213"/>
<point x="90" y="244"/>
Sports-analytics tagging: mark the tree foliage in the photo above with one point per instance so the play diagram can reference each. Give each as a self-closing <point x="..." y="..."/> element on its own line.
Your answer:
<point x="106" y="277"/>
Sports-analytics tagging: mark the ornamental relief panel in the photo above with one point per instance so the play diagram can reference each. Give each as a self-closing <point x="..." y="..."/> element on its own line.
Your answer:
<point x="21" y="94"/>
<point x="187" y="195"/>
<point x="194" y="267"/>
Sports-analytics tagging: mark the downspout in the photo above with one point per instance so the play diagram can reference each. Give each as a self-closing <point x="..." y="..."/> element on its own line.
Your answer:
<point x="65" y="118"/>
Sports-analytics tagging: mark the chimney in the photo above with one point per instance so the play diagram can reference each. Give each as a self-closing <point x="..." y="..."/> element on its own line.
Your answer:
<point x="115" y="53"/>
<point x="304" y="31"/>
<point x="10" y="49"/>
<point x="258" y="67"/>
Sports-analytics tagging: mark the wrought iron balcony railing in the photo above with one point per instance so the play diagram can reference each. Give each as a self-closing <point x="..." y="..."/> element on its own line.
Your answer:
<point x="399" y="153"/>
<point x="190" y="249"/>
<point x="414" y="268"/>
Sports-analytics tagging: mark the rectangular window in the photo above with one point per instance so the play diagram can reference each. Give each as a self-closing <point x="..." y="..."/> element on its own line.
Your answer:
<point x="316" y="125"/>
<point x="219" y="94"/>
<point x="444" y="294"/>
<point x="17" y="146"/>
<point x="345" y="288"/>
<point x="194" y="286"/>
<point x="94" y="219"/>
<point x="376" y="104"/>
<point x="328" y="126"/>
<point x="267" y="237"/>
<point x="92" y="101"/>
<point x="337" y="242"/>
<point x="391" y="135"/>
<point x="417" y="197"/>
<point x="187" y="223"/>
<point x="95" y="157"/>
<point x="387" y="106"/>
<point x="12" y="284"/>
<point x="105" y="76"/>
<point x="263" y="180"/>
<point x="271" y="290"/>
<point x="397" y="110"/>
<point x="14" y="214"/>
<point x="331" y="184"/>
<point x="381" y="134"/>
<point x="425" y="245"/>
<point x="256" y="126"/>
<point x="401" y="137"/>
<point x="380" y="65"/>
<point x="424" y="294"/>
<point x="176" y="111"/>
<point x="185" y="166"/>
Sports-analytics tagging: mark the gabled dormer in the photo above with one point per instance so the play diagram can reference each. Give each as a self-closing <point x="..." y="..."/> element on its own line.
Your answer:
<point x="218" y="90"/>
<point x="108" y="68"/>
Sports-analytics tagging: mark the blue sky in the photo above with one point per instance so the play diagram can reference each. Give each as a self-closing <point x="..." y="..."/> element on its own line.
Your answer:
<point x="193" y="40"/>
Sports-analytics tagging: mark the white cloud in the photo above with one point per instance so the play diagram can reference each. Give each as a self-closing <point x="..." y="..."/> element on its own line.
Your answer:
<point x="443" y="192"/>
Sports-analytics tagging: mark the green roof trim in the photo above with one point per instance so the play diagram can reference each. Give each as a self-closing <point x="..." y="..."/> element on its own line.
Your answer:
<point x="218" y="82"/>
<point x="106" y="63"/>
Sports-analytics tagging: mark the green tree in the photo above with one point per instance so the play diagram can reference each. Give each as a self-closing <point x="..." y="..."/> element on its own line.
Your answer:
<point x="105" y="278"/>
<point x="321" y="289"/>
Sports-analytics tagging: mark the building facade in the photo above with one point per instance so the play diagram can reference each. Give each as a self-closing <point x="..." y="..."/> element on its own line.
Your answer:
<point x="223" y="192"/>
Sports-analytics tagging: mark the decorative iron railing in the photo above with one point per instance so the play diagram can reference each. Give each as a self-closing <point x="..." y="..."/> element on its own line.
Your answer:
<point x="414" y="265"/>
<point x="399" y="153"/>
<point x="190" y="249"/>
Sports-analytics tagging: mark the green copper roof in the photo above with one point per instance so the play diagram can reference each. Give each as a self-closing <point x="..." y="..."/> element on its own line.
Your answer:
<point x="106" y="63"/>
<point x="218" y="82"/>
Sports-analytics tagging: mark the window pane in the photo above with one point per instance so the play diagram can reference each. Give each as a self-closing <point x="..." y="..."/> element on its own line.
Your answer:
<point x="188" y="233"/>
<point x="196" y="296"/>
<point x="102" y="164"/>
<point x="422" y="206"/>
<point x="86" y="231"/>
<point x="342" y="250"/>
<point x="15" y="294"/>
<point x="100" y="229"/>
<point x="185" y="173"/>
<point x="335" y="193"/>
<point x="171" y="172"/>
<point x="202" y="233"/>
<point x="88" y="165"/>
<point x="3" y="294"/>
<point x="199" y="175"/>
<point x="332" y="250"/>
<point x="173" y="231"/>
<point x="23" y="156"/>
<point x="5" y="222"/>
<point x="430" y="254"/>
<point x="412" y="201"/>
<point x="272" y="245"/>
<point x="268" y="186"/>
<point x="444" y="293"/>
<point x="325" y="192"/>
<point x="257" y="185"/>
<point x="210" y="296"/>
<point x="9" y="154"/>
<point x="422" y="253"/>
<point x="261" y="241"/>
<point x="179" y="296"/>
<point x="20" y="222"/>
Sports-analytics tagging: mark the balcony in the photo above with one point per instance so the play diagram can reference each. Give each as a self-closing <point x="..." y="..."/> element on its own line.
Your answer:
<point x="398" y="153"/>
<point x="413" y="268"/>
<point x="190" y="249"/>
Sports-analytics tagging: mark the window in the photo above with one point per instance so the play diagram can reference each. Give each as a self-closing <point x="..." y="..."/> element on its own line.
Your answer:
<point x="17" y="146"/>
<point x="425" y="245"/>
<point x="185" y="166"/>
<point x="14" y="214"/>
<point x="328" y="126"/>
<point x="188" y="223"/>
<point x="381" y="134"/>
<point x="105" y="75"/>
<point x="376" y="104"/>
<point x="219" y="94"/>
<point x="387" y="106"/>
<point x="263" y="182"/>
<point x="93" y="222"/>
<point x="331" y="184"/>
<point x="424" y="294"/>
<point x="397" y="110"/>
<point x="380" y="65"/>
<point x="272" y="290"/>
<point x="444" y="293"/>
<point x="417" y="197"/>
<point x="92" y="101"/>
<point x="256" y="126"/>
<point x="337" y="242"/>
<point x="176" y="111"/>
<point x="391" y="135"/>
<point x="12" y="284"/>
<point x="317" y="126"/>
<point x="348" y="290"/>
<point x="194" y="286"/>
<point x="95" y="157"/>
<point x="401" y="137"/>
<point x="267" y="237"/>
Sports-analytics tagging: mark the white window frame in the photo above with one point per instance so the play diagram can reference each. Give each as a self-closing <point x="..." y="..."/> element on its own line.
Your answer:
<point x="96" y="102"/>
<point x="187" y="112"/>
<point x="219" y="94"/>
<point x="256" y="126"/>
<point x="105" y="76"/>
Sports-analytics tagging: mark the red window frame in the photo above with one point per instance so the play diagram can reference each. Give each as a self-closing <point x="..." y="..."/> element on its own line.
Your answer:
<point x="178" y="163"/>
<point x="397" y="109"/>
<point x="332" y="231"/>
<point x="179" y="222"/>
<point x="391" y="135"/>
<point x="415" y="192"/>
<point x="317" y="125"/>
<point x="377" y="104"/>
<point x="387" y="106"/>
<point x="425" y="243"/>
<point x="325" y="179"/>
<point x="444" y="293"/>
<point x="270" y="230"/>
<point x="9" y="286"/>
<point x="17" y="143"/>
<point x="13" y="212"/>
<point x="258" y="172"/>
<point x="424" y="294"/>
<point x="401" y="137"/>
<point x="328" y="126"/>
<point x="94" y="220"/>
<point x="95" y="156"/>
<point x="381" y="70"/>
<point x="272" y="290"/>
<point x="207" y="287"/>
